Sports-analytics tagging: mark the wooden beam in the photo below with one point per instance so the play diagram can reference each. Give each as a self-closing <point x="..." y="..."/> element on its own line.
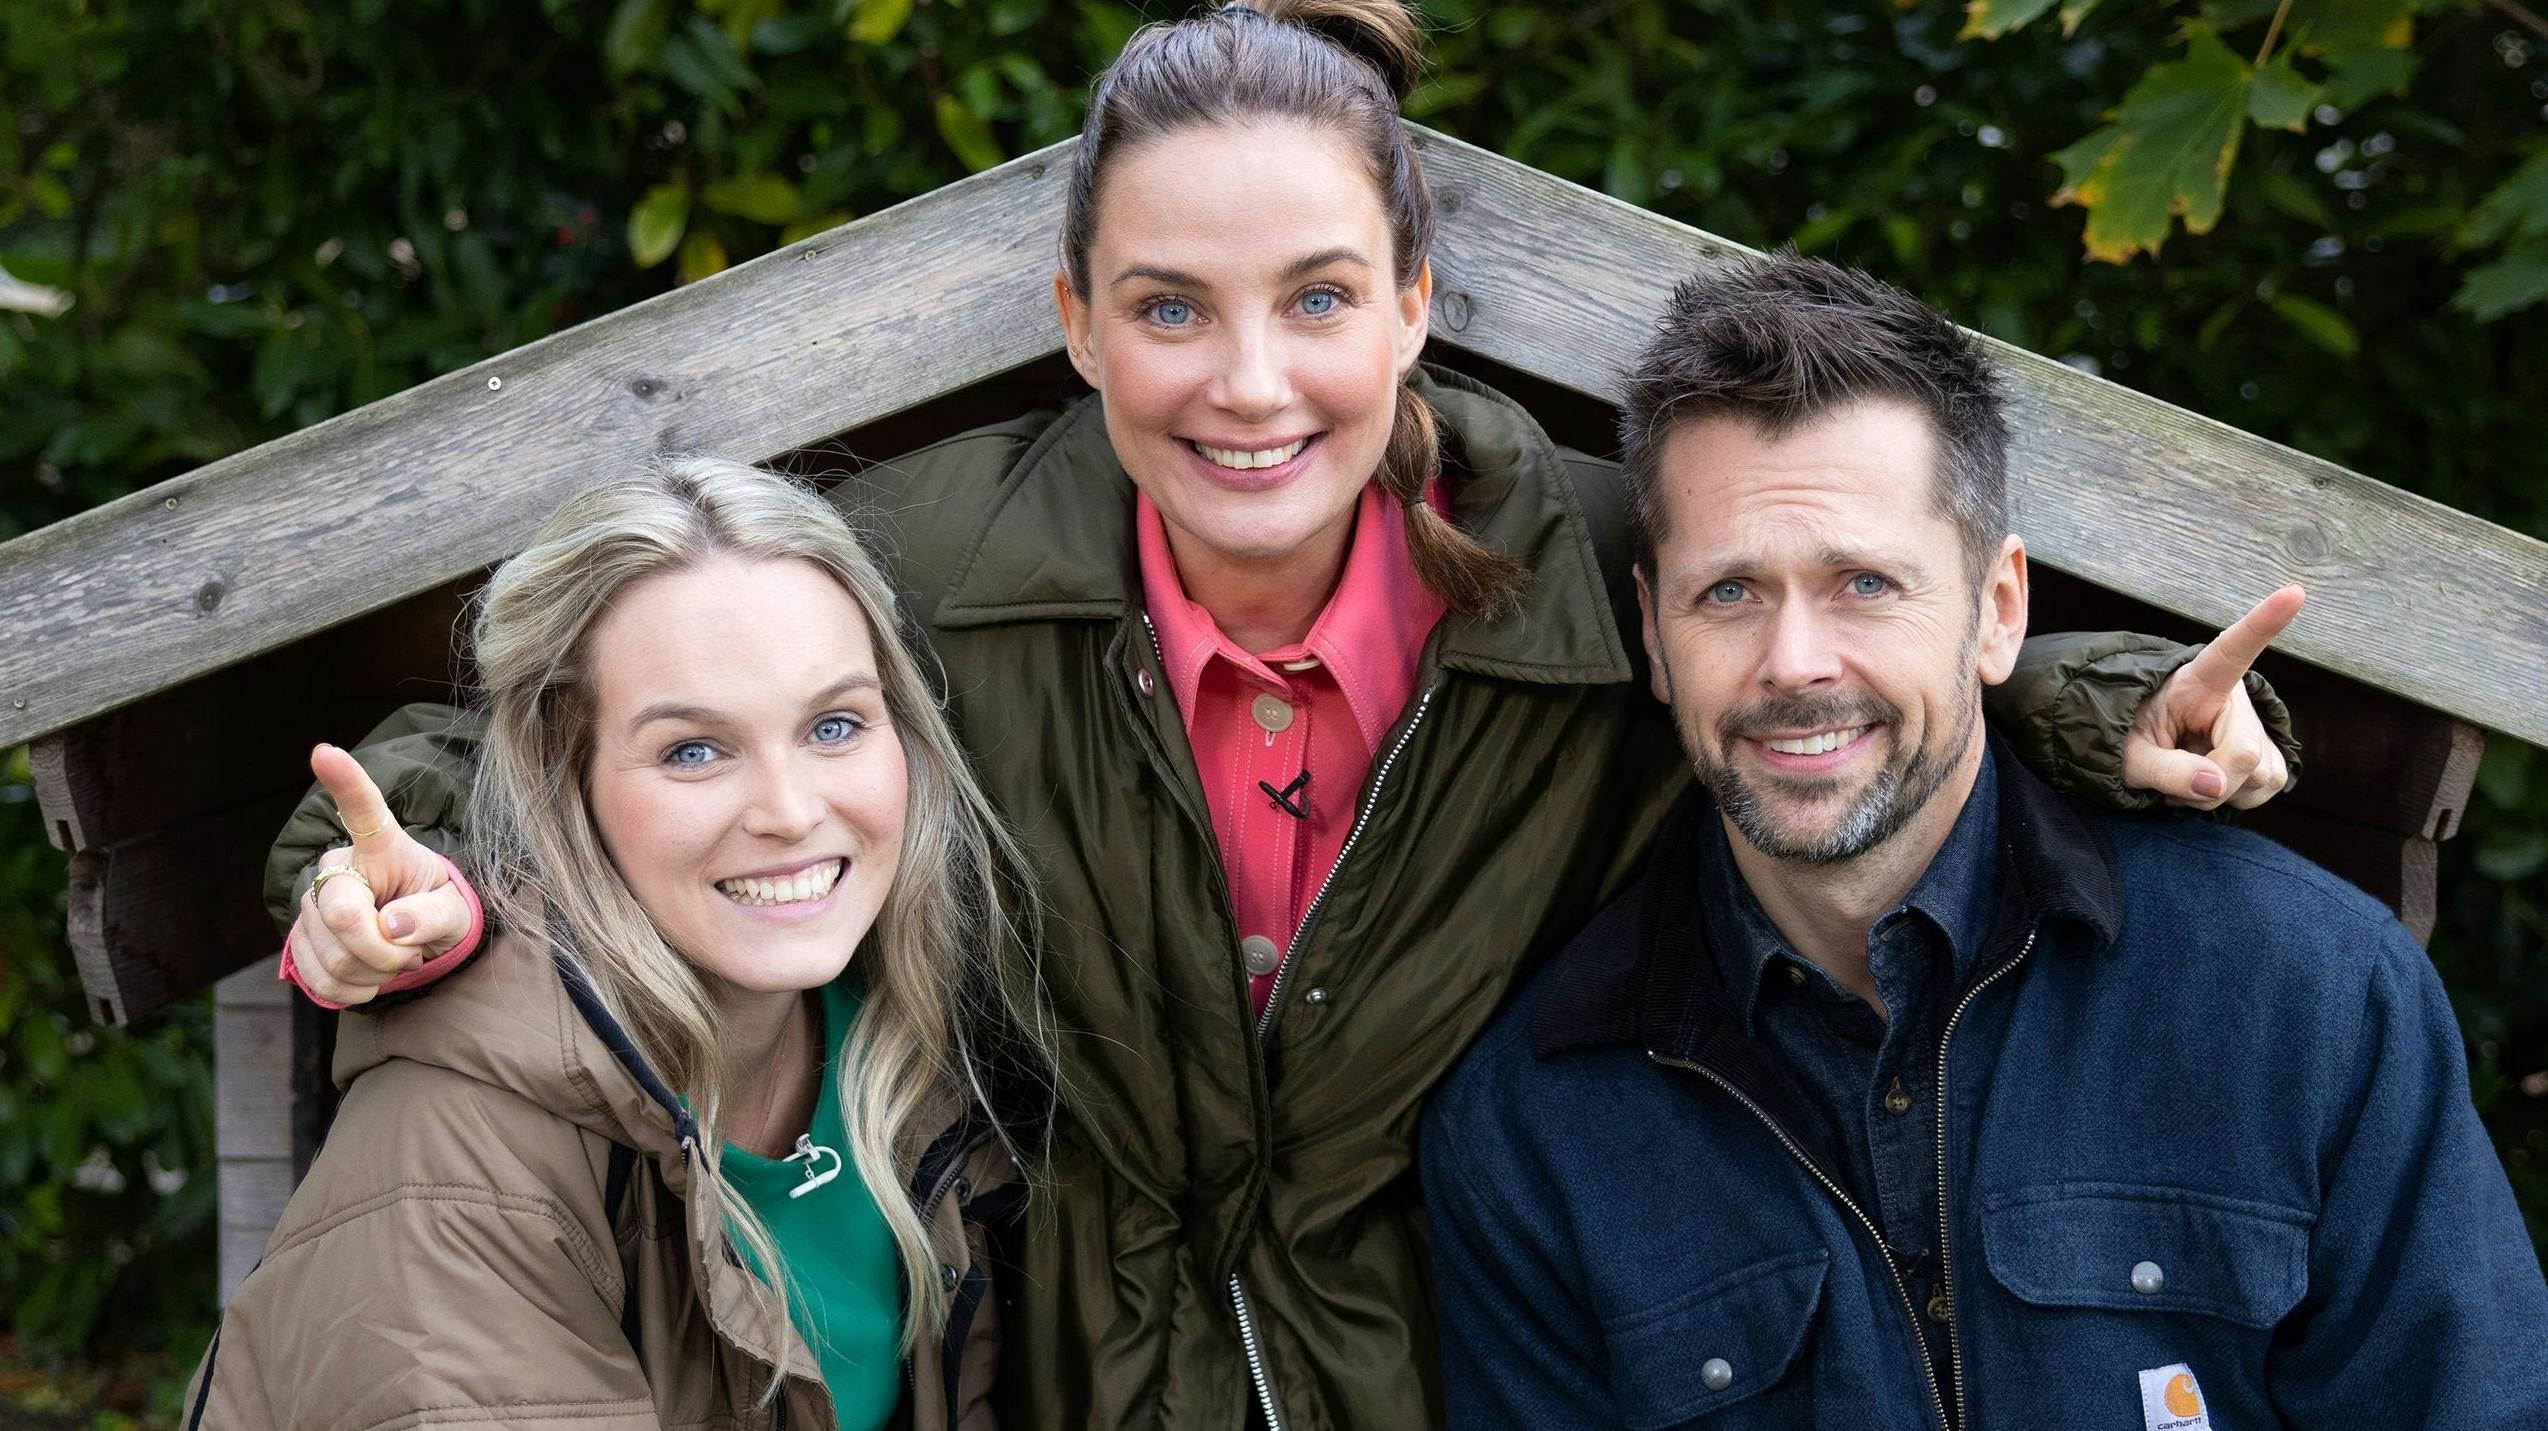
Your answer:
<point x="262" y="548"/>
<point x="253" y="1104"/>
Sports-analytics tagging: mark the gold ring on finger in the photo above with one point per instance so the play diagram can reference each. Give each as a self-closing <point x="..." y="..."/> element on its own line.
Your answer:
<point x="331" y="872"/>
<point x="361" y="834"/>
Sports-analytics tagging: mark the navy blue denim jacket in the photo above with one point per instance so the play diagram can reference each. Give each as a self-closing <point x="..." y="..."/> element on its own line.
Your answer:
<point x="2206" y="1115"/>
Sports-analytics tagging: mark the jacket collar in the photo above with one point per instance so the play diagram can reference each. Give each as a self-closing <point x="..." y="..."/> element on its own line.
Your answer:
<point x="1058" y="541"/>
<point x="1659" y="986"/>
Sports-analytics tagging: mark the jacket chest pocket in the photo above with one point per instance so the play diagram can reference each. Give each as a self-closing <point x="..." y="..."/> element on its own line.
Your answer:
<point x="2123" y="1248"/>
<point x="1721" y="1345"/>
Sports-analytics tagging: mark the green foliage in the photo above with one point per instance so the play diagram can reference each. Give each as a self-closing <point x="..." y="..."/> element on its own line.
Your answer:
<point x="2514" y="218"/>
<point x="262" y="215"/>
<point x="2167" y="151"/>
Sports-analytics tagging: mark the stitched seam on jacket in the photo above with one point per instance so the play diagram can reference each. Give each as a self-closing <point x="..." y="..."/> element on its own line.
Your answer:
<point x="549" y="1410"/>
<point x="578" y="1244"/>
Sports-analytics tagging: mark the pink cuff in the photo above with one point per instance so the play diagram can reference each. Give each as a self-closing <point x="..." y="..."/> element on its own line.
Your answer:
<point x="416" y="978"/>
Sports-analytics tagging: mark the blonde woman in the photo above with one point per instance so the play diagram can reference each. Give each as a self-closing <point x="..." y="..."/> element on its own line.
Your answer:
<point x="658" y="1160"/>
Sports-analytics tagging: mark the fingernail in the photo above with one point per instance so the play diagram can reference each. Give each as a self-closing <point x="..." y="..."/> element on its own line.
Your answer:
<point x="399" y="923"/>
<point x="2209" y="784"/>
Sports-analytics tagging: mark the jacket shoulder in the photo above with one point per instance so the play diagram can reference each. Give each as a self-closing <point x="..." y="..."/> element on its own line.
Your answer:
<point x="921" y="509"/>
<point x="2178" y="870"/>
<point x="413" y="1133"/>
<point x="447" y="1251"/>
<point x="1584" y="998"/>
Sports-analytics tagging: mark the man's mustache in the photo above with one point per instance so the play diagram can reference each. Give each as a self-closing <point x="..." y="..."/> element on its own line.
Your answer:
<point x="1785" y="715"/>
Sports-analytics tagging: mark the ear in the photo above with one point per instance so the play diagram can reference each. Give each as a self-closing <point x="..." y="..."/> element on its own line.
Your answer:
<point x="1658" y="675"/>
<point x="2003" y="614"/>
<point x="1076" y="323"/>
<point x="1415" y="317"/>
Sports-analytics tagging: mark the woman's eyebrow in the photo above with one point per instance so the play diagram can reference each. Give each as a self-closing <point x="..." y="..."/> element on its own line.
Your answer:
<point x="859" y="681"/>
<point x="1311" y="263"/>
<point x="674" y="710"/>
<point x="703" y="715"/>
<point x="1174" y="278"/>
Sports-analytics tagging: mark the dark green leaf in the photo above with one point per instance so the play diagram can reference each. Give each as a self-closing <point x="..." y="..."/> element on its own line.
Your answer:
<point x="876" y="22"/>
<point x="2317" y="322"/>
<point x="2508" y="285"/>
<point x="2166" y="155"/>
<point x="762" y="198"/>
<point x="655" y="225"/>
<point x="2517" y="209"/>
<point x="2278" y="98"/>
<point x="1990" y="19"/>
<point x="967" y="134"/>
<point x="636" y="35"/>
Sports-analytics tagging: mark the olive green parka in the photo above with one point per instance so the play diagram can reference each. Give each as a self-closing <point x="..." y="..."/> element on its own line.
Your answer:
<point x="1233" y="1215"/>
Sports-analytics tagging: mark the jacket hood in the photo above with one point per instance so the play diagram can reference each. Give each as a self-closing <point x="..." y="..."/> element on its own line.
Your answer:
<point x="1057" y="543"/>
<point x="520" y="1019"/>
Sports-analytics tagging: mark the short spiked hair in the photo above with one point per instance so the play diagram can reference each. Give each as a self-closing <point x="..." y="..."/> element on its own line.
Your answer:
<point x="1782" y="340"/>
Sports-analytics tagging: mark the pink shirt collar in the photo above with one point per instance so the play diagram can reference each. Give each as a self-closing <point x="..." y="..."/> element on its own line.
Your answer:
<point x="1370" y="636"/>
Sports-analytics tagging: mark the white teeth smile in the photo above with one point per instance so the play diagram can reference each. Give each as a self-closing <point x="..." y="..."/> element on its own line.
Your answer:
<point x="1270" y="457"/>
<point x="1822" y="744"/>
<point x="802" y="887"/>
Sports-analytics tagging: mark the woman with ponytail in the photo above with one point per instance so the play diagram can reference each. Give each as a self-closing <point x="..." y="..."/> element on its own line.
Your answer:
<point x="1310" y="674"/>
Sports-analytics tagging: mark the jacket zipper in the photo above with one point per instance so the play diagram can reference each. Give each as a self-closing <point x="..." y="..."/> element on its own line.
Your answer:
<point x="1265" y="1024"/>
<point x="1946" y="1259"/>
<point x="1353" y="837"/>
<point x="1937" y="1400"/>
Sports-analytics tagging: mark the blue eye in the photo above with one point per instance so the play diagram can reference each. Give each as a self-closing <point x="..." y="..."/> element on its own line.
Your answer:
<point x="833" y="729"/>
<point x="1173" y="313"/>
<point x="690" y="754"/>
<point x="1318" y="302"/>
<point x="1725" y="593"/>
<point x="1867" y="583"/>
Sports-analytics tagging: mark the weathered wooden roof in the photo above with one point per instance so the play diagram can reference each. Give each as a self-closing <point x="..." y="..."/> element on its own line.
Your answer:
<point x="263" y="548"/>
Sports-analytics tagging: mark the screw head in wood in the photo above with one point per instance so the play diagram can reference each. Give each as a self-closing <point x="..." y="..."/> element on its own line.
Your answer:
<point x="495" y="385"/>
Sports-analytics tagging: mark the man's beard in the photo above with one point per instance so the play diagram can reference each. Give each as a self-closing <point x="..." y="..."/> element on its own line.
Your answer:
<point x="1876" y="814"/>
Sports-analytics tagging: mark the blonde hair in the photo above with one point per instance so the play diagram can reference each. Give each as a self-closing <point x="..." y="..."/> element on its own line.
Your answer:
<point x="1343" y="67"/>
<point x="952" y="998"/>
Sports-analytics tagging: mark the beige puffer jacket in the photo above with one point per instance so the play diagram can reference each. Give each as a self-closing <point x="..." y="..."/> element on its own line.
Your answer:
<point x="504" y="1229"/>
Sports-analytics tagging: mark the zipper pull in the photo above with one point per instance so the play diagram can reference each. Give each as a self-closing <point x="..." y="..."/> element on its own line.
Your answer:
<point x="811" y="1154"/>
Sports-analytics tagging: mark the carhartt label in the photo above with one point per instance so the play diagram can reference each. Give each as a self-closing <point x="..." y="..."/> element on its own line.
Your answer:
<point x="2171" y="1400"/>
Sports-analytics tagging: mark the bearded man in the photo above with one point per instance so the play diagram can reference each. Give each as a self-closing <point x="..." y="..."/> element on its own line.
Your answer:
<point x="1903" y="1091"/>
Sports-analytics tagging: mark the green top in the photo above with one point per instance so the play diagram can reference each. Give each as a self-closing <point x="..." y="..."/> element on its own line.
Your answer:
<point x="844" y="1278"/>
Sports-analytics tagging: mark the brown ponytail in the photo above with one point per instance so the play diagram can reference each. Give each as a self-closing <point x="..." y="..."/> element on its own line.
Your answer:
<point x="1344" y="66"/>
<point x="1468" y="576"/>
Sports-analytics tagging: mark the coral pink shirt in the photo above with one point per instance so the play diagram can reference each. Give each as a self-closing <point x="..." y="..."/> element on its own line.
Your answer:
<point x="1258" y="722"/>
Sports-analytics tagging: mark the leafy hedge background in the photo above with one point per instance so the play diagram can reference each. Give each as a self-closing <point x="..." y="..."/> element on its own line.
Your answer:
<point x="2322" y="220"/>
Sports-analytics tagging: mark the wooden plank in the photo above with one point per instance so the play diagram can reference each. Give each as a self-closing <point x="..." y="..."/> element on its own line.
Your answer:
<point x="252" y="1090"/>
<point x="264" y="547"/>
<point x="260" y="549"/>
<point x="2132" y="493"/>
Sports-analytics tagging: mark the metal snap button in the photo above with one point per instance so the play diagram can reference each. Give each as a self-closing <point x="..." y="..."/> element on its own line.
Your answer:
<point x="1316" y="996"/>
<point x="1796" y="976"/>
<point x="1272" y="712"/>
<point x="1716" y="1373"/>
<point x="948" y="1275"/>
<point x="1261" y="955"/>
<point x="1141" y="682"/>
<point x="2147" y="1279"/>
